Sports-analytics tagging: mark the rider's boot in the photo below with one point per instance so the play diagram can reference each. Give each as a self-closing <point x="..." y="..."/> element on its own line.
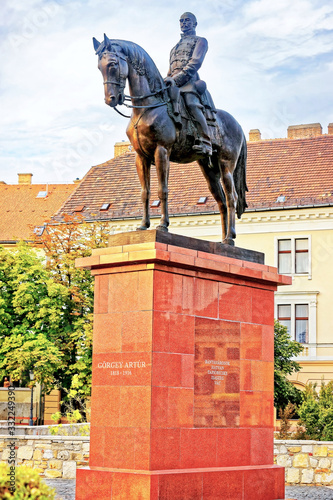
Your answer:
<point x="203" y="145"/>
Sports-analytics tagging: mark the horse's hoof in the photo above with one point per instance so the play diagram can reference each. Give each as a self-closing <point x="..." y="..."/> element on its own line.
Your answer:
<point x="162" y="228"/>
<point x="141" y="228"/>
<point x="228" y="241"/>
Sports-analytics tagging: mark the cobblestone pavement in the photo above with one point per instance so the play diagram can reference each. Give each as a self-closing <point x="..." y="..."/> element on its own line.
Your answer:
<point x="65" y="489"/>
<point x="309" y="492"/>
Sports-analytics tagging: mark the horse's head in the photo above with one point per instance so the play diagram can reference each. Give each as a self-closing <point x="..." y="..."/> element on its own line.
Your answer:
<point x="114" y="68"/>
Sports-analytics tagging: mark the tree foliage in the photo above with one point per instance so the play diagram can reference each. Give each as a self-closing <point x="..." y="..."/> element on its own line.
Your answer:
<point x="46" y="307"/>
<point x="63" y="243"/>
<point x="316" y="412"/>
<point x="285" y="349"/>
<point x="31" y="317"/>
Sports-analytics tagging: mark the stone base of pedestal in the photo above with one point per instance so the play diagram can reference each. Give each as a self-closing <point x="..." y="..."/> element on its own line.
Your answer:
<point x="183" y="369"/>
<point x="225" y="483"/>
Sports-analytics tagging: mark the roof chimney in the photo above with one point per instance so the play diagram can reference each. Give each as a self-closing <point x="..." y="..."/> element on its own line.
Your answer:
<point x="121" y="148"/>
<point x="304" y="131"/>
<point x="77" y="181"/>
<point x="254" y="135"/>
<point x="330" y="128"/>
<point x="24" y="178"/>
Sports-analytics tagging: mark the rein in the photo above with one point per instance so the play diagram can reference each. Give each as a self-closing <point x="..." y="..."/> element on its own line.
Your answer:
<point x="157" y="105"/>
<point x="129" y="98"/>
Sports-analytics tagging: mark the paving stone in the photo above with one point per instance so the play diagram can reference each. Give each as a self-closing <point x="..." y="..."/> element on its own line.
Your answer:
<point x="305" y="493"/>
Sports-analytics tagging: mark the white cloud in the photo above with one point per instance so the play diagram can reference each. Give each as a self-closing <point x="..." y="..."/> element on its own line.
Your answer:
<point x="268" y="63"/>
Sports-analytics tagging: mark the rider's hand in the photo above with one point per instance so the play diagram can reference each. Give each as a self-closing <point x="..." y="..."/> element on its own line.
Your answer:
<point x="168" y="80"/>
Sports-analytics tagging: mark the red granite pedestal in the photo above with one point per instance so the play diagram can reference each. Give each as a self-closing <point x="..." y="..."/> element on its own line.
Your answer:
<point x="182" y="397"/>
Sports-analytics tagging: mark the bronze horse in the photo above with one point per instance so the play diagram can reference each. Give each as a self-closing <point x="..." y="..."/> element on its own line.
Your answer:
<point x="157" y="139"/>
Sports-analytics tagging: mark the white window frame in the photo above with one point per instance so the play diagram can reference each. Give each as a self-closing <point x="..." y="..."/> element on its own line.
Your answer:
<point x="293" y="253"/>
<point x="299" y="298"/>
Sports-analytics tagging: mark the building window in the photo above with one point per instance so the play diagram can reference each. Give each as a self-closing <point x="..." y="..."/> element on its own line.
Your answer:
<point x="302" y="323"/>
<point x="284" y="258"/>
<point x="296" y="318"/>
<point x="284" y="316"/>
<point x="301" y="256"/>
<point x="293" y="256"/>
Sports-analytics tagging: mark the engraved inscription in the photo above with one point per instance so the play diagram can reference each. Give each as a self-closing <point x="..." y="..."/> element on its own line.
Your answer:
<point x="217" y="374"/>
<point x="122" y="369"/>
<point x="217" y="370"/>
<point x="125" y="367"/>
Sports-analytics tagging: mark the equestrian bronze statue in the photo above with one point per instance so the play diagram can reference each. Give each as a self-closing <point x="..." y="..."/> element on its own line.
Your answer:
<point x="175" y="120"/>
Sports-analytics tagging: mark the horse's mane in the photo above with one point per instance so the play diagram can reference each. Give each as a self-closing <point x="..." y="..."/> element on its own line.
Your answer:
<point x="138" y="58"/>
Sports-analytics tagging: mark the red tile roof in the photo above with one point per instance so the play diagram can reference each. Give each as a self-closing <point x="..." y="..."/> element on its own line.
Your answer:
<point x="298" y="169"/>
<point x="21" y="210"/>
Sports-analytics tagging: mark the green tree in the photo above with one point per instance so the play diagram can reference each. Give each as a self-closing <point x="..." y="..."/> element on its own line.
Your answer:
<point x="31" y="317"/>
<point x="316" y="412"/>
<point x="285" y="349"/>
<point x="46" y="308"/>
<point x="63" y="243"/>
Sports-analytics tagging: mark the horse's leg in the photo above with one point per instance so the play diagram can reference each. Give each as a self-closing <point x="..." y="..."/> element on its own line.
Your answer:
<point x="143" y="169"/>
<point x="227" y="168"/>
<point x="213" y="178"/>
<point x="162" y="169"/>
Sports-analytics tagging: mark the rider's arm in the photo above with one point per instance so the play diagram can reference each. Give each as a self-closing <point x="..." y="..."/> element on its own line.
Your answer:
<point x="194" y="64"/>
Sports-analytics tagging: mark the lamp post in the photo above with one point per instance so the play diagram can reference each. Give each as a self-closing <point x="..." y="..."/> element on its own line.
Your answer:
<point x="31" y="375"/>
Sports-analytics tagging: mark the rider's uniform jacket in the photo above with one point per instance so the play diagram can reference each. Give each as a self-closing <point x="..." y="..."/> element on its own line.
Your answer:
<point x="185" y="60"/>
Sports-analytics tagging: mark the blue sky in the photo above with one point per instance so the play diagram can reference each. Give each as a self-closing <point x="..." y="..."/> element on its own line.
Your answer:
<point x="270" y="64"/>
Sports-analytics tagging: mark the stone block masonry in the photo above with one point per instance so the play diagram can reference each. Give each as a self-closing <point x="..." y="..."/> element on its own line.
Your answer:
<point x="305" y="462"/>
<point x="51" y="456"/>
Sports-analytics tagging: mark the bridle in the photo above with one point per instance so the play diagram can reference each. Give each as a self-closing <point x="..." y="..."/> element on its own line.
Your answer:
<point x="122" y="83"/>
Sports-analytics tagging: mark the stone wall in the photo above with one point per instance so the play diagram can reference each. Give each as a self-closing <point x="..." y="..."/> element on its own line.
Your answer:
<point x="306" y="462"/>
<point x="52" y="456"/>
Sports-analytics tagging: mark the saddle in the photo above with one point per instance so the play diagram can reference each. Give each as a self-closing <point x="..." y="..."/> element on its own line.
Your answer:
<point x="179" y="114"/>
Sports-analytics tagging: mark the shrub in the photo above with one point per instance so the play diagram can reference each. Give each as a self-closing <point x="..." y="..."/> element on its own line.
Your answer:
<point x="285" y="416"/>
<point x="28" y="485"/>
<point x="72" y="414"/>
<point x="316" y="412"/>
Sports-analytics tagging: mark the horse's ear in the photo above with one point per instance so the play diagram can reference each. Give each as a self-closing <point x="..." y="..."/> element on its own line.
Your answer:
<point x="96" y="43"/>
<point x="106" y="41"/>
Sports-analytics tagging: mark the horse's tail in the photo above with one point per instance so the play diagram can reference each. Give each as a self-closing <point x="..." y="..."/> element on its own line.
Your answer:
<point x="240" y="180"/>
